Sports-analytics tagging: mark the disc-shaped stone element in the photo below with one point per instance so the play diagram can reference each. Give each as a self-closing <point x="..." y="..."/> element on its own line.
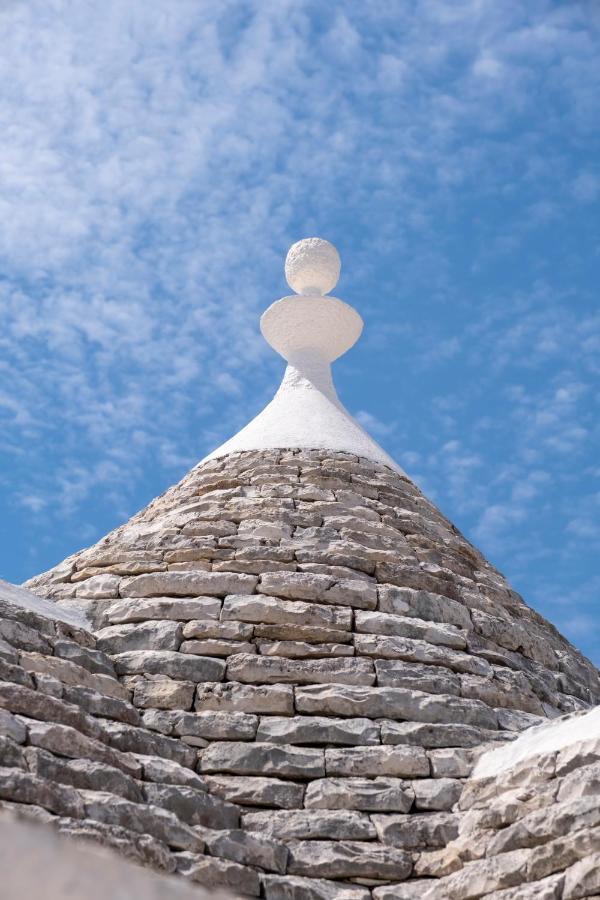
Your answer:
<point x="312" y="266"/>
<point x="321" y="326"/>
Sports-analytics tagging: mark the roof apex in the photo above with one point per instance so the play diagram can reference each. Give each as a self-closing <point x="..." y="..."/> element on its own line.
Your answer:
<point x="310" y="331"/>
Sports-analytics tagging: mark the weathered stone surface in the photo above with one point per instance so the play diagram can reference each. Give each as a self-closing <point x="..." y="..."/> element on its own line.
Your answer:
<point x="138" y="740"/>
<point x="451" y="763"/>
<point x="366" y="794"/>
<point x="583" y="879"/>
<point x="24" y="787"/>
<point x="162" y="692"/>
<point x="65" y="741"/>
<point x="563" y="852"/>
<point x="216" y="647"/>
<point x="24" y="637"/>
<point x="196" y="807"/>
<point x="262" y="610"/>
<point x="138" y="817"/>
<point x="150" y="635"/>
<point x="403" y="762"/>
<point x="178" y="609"/>
<point x="424" y="604"/>
<point x="415" y="676"/>
<point x="514" y="720"/>
<point x="248" y="848"/>
<point x="218" y="873"/>
<point x="52" y="687"/>
<point x="292" y="887"/>
<point x="316" y="536"/>
<point x="227" y="631"/>
<point x="98" y="587"/>
<point x="248" y="790"/>
<point x="346" y="859"/>
<point x="417" y="831"/>
<point x="295" y="585"/>
<point x="583" y="782"/>
<point x="92" y="660"/>
<point x="336" y="825"/>
<point x="82" y="773"/>
<point x="72" y="674"/>
<point x="302" y="650"/>
<point x="166" y="771"/>
<point x="436" y="793"/>
<point x="10" y="727"/>
<point x="171" y="663"/>
<point x="356" y="593"/>
<point x="233" y="697"/>
<point x="581" y="753"/>
<point x="484" y="876"/>
<point x="542" y="825"/>
<point x="439" y="735"/>
<point x="8" y="653"/>
<point x="187" y="584"/>
<point x="100" y="705"/>
<point x="305" y="633"/>
<point x="23" y="700"/>
<point x="263" y="759"/>
<point x="16" y="674"/>
<point x="213" y="725"/>
<point x="317" y="730"/>
<point x="413" y="650"/>
<point x="505" y="689"/>
<point x="405" y="626"/>
<point x="547" y="889"/>
<point x="272" y="670"/>
<point x="11" y="754"/>
<point x="392" y="702"/>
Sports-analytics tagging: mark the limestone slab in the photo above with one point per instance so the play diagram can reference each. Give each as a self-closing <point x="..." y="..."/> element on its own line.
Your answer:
<point x="176" y="609"/>
<point x="187" y="584"/>
<point x="317" y="730"/>
<point x="252" y="669"/>
<point x="262" y="610"/>
<point x="263" y="759"/>
<point x="418" y="831"/>
<point x="336" y="825"/>
<point x="366" y="794"/>
<point x="196" y="807"/>
<point x="249" y="790"/>
<point x="149" y="635"/>
<point x="169" y="662"/>
<point x="347" y="859"/>
<point x="402" y="762"/>
<point x="229" y="696"/>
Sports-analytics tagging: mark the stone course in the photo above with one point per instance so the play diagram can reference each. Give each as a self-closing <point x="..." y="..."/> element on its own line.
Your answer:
<point x="293" y="663"/>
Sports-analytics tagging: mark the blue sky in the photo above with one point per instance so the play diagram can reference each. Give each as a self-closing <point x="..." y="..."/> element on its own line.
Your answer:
<point x="157" y="160"/>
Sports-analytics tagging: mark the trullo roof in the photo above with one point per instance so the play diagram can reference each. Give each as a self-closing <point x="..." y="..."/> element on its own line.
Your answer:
<point x="293" y="664"/>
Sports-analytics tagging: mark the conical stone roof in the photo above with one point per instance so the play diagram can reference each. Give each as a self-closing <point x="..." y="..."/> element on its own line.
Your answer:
<point x="331" y="646"/>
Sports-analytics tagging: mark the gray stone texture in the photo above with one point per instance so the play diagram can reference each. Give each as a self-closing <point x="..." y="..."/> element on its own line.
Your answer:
<point x="296" y="665"/>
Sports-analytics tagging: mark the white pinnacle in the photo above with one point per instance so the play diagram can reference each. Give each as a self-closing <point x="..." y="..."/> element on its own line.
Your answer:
<point x="312" y="266"/>
<point x="310" y="331"/>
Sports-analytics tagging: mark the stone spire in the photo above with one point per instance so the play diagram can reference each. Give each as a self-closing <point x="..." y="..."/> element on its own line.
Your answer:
<point x="310" y="330"/>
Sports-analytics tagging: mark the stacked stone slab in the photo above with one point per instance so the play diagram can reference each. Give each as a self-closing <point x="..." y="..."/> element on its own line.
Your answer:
<point x="530" y="831"/>
<point x="75" y="755"/>
<point x="330" y="653"/>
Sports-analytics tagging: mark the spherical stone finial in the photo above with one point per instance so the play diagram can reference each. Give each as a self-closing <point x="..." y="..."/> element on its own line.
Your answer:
<point x="312" y="266"/>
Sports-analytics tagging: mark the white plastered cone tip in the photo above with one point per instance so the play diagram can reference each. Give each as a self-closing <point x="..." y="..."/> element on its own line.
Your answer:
<point x="310" y="331"/>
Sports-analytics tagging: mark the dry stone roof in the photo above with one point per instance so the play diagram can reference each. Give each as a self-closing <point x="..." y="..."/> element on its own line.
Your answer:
<point x="292" y="665"/>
